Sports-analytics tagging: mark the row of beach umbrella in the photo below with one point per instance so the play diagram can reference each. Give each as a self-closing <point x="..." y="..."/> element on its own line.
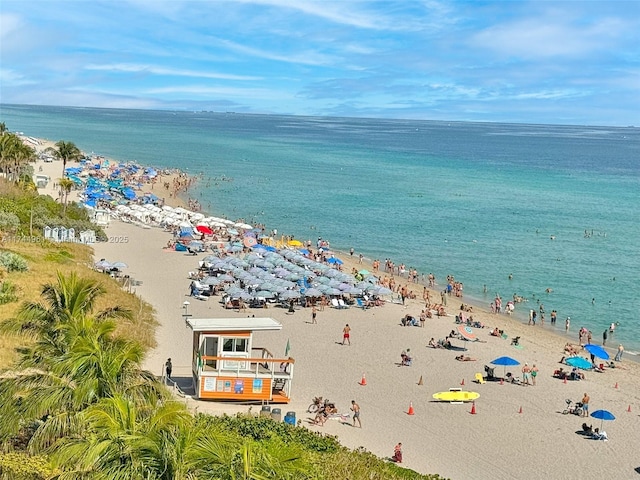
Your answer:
<point x="284" y="274"/>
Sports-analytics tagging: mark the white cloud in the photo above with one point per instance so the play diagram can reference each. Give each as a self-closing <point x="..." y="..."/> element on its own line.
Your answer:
<point x="336" y="12"/>
<point x="309" y="57"/>
<point x="10" y="78"/>
<point x="139" y="68"/>
<point x="253" y="93"/>
<point x="546" y="36"/>
<point x="9" y="24"/>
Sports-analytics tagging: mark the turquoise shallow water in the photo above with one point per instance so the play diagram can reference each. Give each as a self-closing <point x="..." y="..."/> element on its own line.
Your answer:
<point x="480" y="201"/>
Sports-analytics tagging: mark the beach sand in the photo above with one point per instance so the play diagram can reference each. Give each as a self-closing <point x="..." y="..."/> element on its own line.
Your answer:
<point x="516" y="433"/>
<point x="498" y="442"/>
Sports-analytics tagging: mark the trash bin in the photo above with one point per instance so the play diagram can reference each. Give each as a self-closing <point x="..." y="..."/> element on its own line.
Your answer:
<point x="290" y="418"/>
<point x="265" y="411"/>
<point x="276" y="414"/>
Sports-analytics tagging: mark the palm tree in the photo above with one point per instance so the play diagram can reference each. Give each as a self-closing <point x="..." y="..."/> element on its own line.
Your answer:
<point x="65" y="151"/>
<point x="67" y="303"/>
<point x="14" y="155"/>
<point x="122" y="440"/>
<point x="66" y="185"/>
<point x="68" y="298"/>
<point x="95" y="366"/>
<point x="75" y="362"/>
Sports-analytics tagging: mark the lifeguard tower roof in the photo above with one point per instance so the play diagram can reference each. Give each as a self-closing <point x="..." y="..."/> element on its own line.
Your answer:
<point x="233" y="324"/>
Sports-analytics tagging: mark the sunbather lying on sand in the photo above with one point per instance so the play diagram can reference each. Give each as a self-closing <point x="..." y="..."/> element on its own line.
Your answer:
<point x="463" y="358"/>
<point x="571" y="349"/>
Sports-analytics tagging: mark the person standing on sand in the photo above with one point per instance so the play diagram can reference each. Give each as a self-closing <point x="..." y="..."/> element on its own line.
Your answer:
<point x="604" y="338"/>
<point x="168" y="368"/>
<point x="355" y="408"/>
<point x="585" y="405"/>
<point x="314" y="314"/>
<point x="534" y="374"/>
<point x="526" y="370"/>
<point x="346" y="335"/>
<point x="618" y="356"/>
<point x="567" y="322"/>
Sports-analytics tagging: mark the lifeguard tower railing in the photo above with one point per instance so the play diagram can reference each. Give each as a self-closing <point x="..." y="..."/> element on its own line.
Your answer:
<point x="261" y="364"/>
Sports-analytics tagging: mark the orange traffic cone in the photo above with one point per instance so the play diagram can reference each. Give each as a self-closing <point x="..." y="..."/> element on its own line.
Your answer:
<point x="410" y="412"/>
<point x="462" y="382"/>
<point x="363" y="382"/>
<point x="420" y="382"/>
<point x="629" y="409"/>
<point x="473" y="408"/>
<point x="520" y="411"/>
<point x="616" y="386"/>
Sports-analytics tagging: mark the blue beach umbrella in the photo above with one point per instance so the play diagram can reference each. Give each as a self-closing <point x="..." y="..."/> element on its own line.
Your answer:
<point x="597" y="351"/>
<point x="579" y="362"/>
<point x="289" y="294"/>
<point x="603" y="415"/>
<point x="505" y="362"/>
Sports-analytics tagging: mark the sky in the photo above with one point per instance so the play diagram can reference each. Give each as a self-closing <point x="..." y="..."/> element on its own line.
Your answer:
<point x="551" y="62"/>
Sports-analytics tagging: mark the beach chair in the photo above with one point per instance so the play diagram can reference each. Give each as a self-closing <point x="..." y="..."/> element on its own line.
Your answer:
<point x="490" y="373"/>
<point x="479" y="378"/>
<point x="204" y="289"/>
<point x="342" y="304"/>
<point x="361" y="303"/>
<point x="195" y="293"/>
<point x="334" y="303"/>
<point x="599" y="435"/>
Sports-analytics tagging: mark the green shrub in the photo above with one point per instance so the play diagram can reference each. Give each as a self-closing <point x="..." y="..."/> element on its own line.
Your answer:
<point x="263" y="428"/>
<point x="8" y="292"/>
<point x="13" y="262"/>
<point x="20" y="466"/>
<point x="9" y="222"/>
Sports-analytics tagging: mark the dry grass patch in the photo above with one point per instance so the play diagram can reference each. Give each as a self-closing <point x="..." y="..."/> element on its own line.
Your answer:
<point x="45" y="259"/>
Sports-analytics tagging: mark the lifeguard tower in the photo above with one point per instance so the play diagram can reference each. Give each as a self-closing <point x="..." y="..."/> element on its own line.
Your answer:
<point x="227" y="366"/>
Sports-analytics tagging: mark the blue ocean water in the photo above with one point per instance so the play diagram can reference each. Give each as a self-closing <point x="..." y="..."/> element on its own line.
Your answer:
<point x="553" y="206"/>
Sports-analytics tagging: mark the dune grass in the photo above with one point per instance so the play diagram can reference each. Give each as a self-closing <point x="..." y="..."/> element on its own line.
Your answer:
<point x="44" y="260"/>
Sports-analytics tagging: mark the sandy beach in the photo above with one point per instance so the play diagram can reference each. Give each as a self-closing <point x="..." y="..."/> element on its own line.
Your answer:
<point x="516" y="432"/>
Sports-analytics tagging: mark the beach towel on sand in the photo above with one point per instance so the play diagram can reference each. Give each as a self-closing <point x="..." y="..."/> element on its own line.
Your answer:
<point x="340" y="416"/>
